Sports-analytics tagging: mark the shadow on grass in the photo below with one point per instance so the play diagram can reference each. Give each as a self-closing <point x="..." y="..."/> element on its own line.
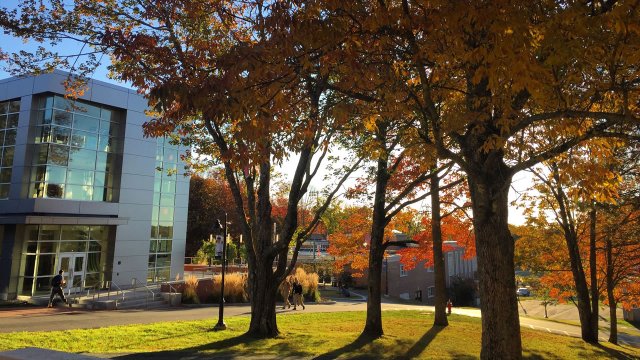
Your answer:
<point x="604" y="351"/>
<point x="358" y="343"/>
<point x="222" y="348"/>
<point x="424" y="341"/>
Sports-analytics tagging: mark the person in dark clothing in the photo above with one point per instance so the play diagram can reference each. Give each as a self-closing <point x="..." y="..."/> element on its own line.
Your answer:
<point x="297" y="295"/>
<point x="56" y="288"/>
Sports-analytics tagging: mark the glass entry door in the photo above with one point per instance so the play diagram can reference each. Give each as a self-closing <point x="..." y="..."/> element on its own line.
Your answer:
<point x="74" y="266"/>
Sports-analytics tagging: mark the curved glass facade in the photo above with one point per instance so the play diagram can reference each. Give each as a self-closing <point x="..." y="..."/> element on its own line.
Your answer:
<point x="9" y="112"/>
<point x="74" y="151"/>
<point x="162" y="216"/>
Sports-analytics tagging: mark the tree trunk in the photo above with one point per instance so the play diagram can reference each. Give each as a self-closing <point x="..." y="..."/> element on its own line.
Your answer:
<point x="373" y="323"/>
<point x="440" y="317"/>
<point x="263" y="290"/>
<point x="495" y="253"/>
<point x="613" y="330"/>
<point x="593" y="273"/>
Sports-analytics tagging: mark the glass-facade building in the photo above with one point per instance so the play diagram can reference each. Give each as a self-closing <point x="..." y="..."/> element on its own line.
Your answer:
<point x="82" y="190"/>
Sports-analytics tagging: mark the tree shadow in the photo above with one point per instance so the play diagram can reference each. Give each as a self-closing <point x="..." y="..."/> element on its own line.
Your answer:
<point x="424" y="341"/>
<point x="358" y="343"/>
<point x="609" y="352"/>
<point x="223" y="347"/>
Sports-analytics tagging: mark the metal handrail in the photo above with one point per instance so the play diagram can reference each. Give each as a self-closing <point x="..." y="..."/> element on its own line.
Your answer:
<point x="146" y="299"/>
<point x="172" y="290"/>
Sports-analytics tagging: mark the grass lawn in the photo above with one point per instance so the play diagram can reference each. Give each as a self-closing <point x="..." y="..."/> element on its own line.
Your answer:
<point x="409" y="334"/>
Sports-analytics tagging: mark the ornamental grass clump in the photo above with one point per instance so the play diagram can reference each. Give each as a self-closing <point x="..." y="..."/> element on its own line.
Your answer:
<point x="309" y="284"/>
<point x="235" y="288"/>
<point x="190" y="294"/>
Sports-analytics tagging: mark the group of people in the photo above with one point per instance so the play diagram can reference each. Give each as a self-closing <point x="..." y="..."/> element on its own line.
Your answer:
<point x="291" y="285"/>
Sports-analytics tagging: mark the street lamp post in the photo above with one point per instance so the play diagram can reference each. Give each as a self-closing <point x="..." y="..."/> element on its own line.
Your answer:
<point x="221" y="325"/>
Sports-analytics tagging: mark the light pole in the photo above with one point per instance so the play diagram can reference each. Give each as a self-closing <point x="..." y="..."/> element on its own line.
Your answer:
<point x="221" y="325"/>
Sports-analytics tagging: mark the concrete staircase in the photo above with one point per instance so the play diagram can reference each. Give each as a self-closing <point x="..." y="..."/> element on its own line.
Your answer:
<point x="147" y="298"/>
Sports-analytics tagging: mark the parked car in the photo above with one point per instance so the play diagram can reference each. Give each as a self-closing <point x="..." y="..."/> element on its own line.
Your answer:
<point x="523" y="291"/>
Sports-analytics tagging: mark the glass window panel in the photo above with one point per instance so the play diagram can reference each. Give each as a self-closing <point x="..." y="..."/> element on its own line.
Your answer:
<point x="14" y="106"/>
<point x="55" y="191"/>
<point x="98" y="194"/>
<point x="62" y="118"/>
<point x="163" y="260"/>
<point x="5" y="175"/>
<point x="43" y="134"/>
<point x="80" y="177"/>
<point x="114" y="129"/>
<point x="159" y="151"/>
<point x="104" y="143"/>
<point x="38" y="173"/>
<point x="58" y="155"/>
<point x="31" y="232"/>
<point x="78" y="192"/>
<point x="29" y="265"/>
<point x="1" y="135"/>
<point x="156" y="199"/>
<point x="95" y="246"/>
<point x="168" y="186"/>
<point x="75" y="232"/>
<point x="84" y="139"/>
<point x="12" y="121"/>
<point x="82" y="159"/>
<point x="153" y="246"/>
<point x="27" y="285"/>
<point x="65" y="262"/>
<point x="154" y="213"/>
<point x="82" y="122"/>
<point x="48" y="102"/>
<point x="73" y="246"/>
<point x="40" y="154"/>
<point x="49" y="232"/>
<point x="156" y="185"/>
<point x="162" y="274"/>
<point x="4" y="106"/>
<point x="44" y="117"/>
<point x="60" y="135"/>
<point x="170" y="155"/>
<point x="167" y="200"/>
<point x="3" y="121"/>
<point x="91" y="279"/>
<point x="106" y="114"/>
<point x="48" y="247"/>
<point x="88" y="109"/>
<point x="10" y="137"/>
<point x="151" y="275"/>
<point x="61" y="103"/>
<point x="166" y="214"/>
<point x="164" y="245"/>
<point x="78" y="264"/>
<point x="77" y="280"/>
<point x="154" y="231"/>
<point x="32" y="246"/>
<point x="4" y="191"/>
<point x="105" y="127"/>
<point x="43" y="285"/>
<point x="108" y="194"/>
<point x="152" y="260"/>
<point x="56" y="174"/>
<point x="99" y="233"/>
<point x="165" y="231"/>
<point x="46" y="265"/>
<point x="100" y="178"/>
<point x="7" y="156"/>
<point x="101" y="161"/>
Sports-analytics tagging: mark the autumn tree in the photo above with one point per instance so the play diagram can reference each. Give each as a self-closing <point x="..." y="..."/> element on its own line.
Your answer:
<point x="500" y="87"/>
<point x="209" y="199"/>
<point x="241" y="82"/>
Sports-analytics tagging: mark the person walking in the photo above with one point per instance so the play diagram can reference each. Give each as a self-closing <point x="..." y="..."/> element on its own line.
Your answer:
<point x="56" y="288"/>
<point x="297" y="295"/>
<point x="285" y="291"/>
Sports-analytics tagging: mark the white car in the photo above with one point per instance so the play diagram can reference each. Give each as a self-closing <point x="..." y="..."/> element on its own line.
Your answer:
<point x="523" y="291"/>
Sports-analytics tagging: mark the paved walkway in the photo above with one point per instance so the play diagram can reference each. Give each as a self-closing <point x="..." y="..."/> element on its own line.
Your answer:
<point x="63" y="318"/>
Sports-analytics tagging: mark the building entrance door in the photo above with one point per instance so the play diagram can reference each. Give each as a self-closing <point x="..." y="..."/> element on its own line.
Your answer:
<point x="73" y="265"/>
